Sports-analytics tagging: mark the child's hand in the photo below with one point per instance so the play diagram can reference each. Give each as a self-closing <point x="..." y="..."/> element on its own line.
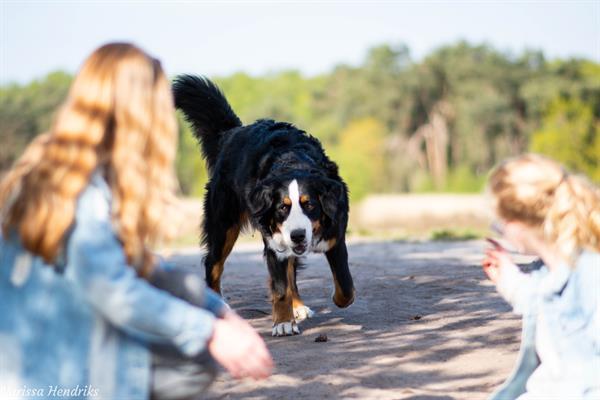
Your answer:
<point x="239" y="349"/>
<point x="496" y="260"/>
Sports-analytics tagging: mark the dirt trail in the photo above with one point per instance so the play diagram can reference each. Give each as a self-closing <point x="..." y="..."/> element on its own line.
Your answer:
<point x="425" y="325"/>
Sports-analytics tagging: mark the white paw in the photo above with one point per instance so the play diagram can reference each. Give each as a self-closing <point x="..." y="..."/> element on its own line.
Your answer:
<point x="286" y="329"/>
<point x="301" y="313"/>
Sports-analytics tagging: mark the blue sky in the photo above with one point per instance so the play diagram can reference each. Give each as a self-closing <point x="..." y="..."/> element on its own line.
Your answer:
<point x="219" y="38"/>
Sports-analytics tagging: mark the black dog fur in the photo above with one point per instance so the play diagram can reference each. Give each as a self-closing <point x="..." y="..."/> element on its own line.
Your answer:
<point x="251" y="172"/>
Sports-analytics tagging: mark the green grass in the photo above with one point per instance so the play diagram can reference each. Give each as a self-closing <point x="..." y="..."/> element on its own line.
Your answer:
<point x="454" y="235"/>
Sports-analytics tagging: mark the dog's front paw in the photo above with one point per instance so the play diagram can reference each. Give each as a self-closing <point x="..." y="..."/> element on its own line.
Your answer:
<point x="343" y="300"/>
<point x="286" y="329"/>
<point x="303" y="312"/>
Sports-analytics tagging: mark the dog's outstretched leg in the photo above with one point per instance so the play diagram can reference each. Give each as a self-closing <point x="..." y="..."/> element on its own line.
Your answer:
<point x="337" y="257"/>
<point x="284" y="323"/>
<point x="301" y="311"/>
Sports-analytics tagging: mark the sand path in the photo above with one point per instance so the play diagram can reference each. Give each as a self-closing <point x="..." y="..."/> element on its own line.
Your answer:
<point x="425" y="325"/>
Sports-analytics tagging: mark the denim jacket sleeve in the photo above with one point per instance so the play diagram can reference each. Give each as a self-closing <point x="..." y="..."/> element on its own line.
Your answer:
<point x="97" y="265"/>
<point x="588" y="276"/>
<point x="186" y="284"/>
<point x="519" y="289"/>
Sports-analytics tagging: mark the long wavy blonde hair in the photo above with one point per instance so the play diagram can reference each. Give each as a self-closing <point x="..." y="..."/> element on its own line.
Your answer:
<point x="119" y="119"/>
<point x="539" y="192"/>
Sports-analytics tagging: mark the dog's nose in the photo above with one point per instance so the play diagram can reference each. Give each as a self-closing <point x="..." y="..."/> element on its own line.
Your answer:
<point x="298" y="235"/>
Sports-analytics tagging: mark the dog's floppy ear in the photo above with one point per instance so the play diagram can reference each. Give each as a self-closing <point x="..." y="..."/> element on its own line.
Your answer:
<point x="331" y="197"/>
<point x="260" y="198"/>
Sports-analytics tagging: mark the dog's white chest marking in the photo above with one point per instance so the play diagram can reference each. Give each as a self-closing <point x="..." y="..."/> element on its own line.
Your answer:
<point x="321" y="246"/>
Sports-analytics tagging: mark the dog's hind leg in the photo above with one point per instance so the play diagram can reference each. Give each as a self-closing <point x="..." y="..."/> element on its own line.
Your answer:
<point x="220" y="234"/>
<point x="337" y="257"/>
<point x="219" y="248"/>
<point x="284" y="323"/>
<point x="301" y="311"/>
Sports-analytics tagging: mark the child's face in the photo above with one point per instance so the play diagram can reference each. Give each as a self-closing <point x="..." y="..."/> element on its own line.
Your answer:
<point x="522" y="237"/>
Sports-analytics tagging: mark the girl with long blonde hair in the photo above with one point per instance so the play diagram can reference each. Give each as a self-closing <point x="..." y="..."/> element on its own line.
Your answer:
<point x="79" y="212"/>
<point x="546" y="211"/>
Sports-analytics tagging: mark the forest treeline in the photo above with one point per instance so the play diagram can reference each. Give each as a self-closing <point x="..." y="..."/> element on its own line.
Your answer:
<point x="393" y="124"/>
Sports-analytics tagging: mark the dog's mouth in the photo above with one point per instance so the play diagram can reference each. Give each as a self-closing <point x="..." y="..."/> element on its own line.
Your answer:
<point x="299" y="249"/>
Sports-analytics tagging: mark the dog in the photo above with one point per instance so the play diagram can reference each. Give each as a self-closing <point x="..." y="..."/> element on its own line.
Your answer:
<point x="277" y="179"/>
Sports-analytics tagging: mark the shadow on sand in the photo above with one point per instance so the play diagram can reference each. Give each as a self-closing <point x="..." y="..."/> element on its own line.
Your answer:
<point x="425" y="325"/>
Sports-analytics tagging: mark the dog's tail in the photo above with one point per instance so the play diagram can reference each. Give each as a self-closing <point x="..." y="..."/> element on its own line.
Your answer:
<point x="207" y="109"/>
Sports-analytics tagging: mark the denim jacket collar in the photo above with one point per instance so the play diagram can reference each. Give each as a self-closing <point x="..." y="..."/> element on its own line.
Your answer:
<point x="555" y="281"/>
<point x="99" y="182"/>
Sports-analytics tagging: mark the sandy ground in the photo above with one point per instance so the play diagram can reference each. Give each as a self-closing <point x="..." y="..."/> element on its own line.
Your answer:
<point x="425" y="325"/>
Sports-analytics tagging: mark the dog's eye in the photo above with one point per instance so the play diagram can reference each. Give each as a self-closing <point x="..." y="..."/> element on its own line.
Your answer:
<point x="309" y="206"/>
<point x="283" y="207"/>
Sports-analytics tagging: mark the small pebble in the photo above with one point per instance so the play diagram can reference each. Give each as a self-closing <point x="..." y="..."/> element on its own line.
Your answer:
<point x="321" y="338"/>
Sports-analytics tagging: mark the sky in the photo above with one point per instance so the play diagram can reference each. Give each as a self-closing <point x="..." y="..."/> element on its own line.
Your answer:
<point x="220" y="38"/>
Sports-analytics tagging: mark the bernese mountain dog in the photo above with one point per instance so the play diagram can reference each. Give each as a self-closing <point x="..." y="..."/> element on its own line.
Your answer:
<point x="276" y="178"/>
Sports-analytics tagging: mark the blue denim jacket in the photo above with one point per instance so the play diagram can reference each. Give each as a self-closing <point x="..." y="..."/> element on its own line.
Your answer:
<point x="559" y="356"/>
<point x="83" y="328"/>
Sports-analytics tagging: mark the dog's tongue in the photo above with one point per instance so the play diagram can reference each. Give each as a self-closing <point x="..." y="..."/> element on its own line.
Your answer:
<point x="299" y="249"/>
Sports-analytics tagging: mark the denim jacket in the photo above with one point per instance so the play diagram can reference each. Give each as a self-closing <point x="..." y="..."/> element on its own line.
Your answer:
<point x="559" y="356"/>
<point x="83" y="328"/>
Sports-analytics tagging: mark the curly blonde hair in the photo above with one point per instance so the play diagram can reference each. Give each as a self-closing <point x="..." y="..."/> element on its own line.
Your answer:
<point x="539" y="192"/>
<point x="119" y="119"/>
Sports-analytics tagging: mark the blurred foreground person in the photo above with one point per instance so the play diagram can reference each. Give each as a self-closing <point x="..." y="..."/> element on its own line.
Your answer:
<point x="548" y="212"/>
<point x="81" y="312"/>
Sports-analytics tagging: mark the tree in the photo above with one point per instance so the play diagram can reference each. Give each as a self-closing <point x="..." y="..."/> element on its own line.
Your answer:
<point x="359" y="156"/>
<point x="571" y="134"/>
<point x="441" y="123"/>
<point x="26" y="111"/>
<point x="189" y="164"/>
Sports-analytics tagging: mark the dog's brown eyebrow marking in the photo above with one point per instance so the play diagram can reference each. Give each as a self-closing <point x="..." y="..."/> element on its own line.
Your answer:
<point x="304" y="198"/>
<point x="287" y="201"/>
